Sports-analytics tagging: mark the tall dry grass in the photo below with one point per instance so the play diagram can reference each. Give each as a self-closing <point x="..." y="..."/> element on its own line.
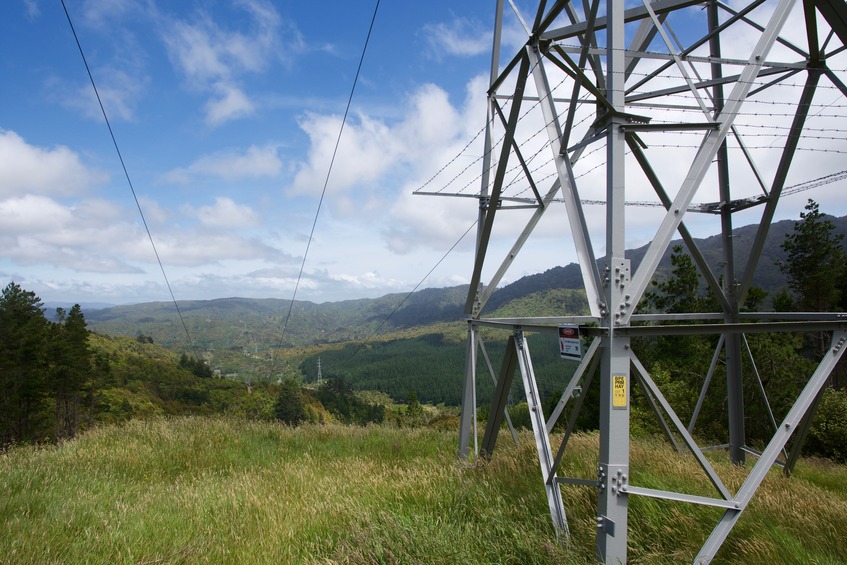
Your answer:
<point x="201" y="490"/>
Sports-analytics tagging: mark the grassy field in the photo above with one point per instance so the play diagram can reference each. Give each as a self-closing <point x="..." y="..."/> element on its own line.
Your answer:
<point x="199" y="490"/>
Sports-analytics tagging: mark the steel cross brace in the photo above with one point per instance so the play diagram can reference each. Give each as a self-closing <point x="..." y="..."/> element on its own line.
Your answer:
<point x="517" y="356"/>
<point x="707" y="152"/>
<point x="542" y="440"/>
<point x="774" y="448"/>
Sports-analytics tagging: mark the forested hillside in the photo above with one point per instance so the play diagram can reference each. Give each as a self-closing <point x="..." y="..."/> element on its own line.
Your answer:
<point x="256" y="324"/>
<point x="236" y="323"/>
<point x="59" y="378"/>
<point x="431" y="364"/>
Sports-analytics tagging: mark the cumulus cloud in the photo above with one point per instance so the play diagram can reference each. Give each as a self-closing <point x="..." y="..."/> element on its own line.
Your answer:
<point x="31" y="214"/>
<point x="225" y="213"/>
<point x="38" y="230"/>
<point x="254" y="162"/>
<point x="375" y="156"/>
<point x="232" y="103"/>
<point x="380" y="163"/>
<point x="93" y="235"/>
<point x="56" y="171"/>
<point x="367" y="149"/>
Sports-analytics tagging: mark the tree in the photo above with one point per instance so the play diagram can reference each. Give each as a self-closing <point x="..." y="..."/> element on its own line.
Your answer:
<point x="101" y="378"/>
<point x="290" y="407"/>
<point x="681" y="291"/>
<point x="755" y="299"/>
<point x="23" y="329"/>
<point x="815" y="262"/>
<point x="828" y="435"/>
<point x="339" y="399"/>
<point x="816" y="269"/>
<point x="70" y="368"/>
<point x="414" y="410"/>
<point x="197" y="366"/>
<point x="678" y="363"/>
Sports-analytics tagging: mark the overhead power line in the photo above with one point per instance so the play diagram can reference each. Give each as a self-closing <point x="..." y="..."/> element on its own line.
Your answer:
<point x="126" y="173"/>
<point x="409" y="295"/>
<point x="329" y="172"/>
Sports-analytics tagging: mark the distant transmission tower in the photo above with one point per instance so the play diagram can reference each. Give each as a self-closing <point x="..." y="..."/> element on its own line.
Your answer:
<point x="320" y="378"/>
<point x="603" y="102"/>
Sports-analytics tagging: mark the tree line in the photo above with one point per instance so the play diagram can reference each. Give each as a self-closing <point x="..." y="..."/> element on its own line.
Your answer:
<point x="48" y="373"/>
<point x="57" y="377"/>
<point x="295" y="405"/>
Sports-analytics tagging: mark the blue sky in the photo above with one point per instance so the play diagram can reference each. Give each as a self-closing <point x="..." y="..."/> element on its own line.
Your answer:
<point x="226" y="113"/>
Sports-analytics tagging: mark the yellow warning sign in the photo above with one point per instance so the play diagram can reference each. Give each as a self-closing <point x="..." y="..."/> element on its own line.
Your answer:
<point x="619" y="391"/>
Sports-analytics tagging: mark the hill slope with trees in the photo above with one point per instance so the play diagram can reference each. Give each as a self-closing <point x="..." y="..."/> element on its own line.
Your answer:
<point x="58" y="377"/>
<point x="242" y="323"/>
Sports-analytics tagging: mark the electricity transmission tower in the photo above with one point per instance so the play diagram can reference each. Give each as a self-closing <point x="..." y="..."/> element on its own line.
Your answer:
<point x="671" y="100"/>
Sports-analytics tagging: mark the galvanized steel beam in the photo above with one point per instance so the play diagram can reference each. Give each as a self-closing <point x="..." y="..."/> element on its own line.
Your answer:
<point x="789" y="424"/>
<point x="599" y="79"/>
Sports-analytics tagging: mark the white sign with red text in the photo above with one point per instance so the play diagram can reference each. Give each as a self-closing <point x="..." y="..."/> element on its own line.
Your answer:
<point x="570" y="346"/>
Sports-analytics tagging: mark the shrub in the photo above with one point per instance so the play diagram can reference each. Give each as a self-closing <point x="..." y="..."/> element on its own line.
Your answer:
<point x="828" y="434"/>
<point x="290" y="407"/>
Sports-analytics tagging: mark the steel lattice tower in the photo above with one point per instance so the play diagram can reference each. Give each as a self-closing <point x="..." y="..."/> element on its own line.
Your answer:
<point x="604" y="104"/>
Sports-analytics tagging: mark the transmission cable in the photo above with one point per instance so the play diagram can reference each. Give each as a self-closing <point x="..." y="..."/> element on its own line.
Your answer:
<point x="329" y="172"/>
<point x="409" y="295"/>
<point x="126" y="174"/>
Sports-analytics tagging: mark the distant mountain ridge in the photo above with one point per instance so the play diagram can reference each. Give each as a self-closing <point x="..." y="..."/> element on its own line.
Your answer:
<point x="767" y="275"/>
<point x="86" y="306"/>
<point x="245" y="323"/>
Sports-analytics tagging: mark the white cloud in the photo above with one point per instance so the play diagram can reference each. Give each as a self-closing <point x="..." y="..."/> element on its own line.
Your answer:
<point x="153" y="211"/>
<point x="369" y="280"/>
<point x="38" y="230"/>
<point x="460" y="37"/>
<point x="258" y="285"/>
<point x="97" y="236"/>
<point x="31" y="214"/>
<point x="380" y="163"/>
<point x="119" y="92"/>
<point x="104" y="13"/>
<point x="40" y="218"/>
<point x="197" y="53"/>
<point x="225" y="213"/>
<point x="376" y="157"/>
<point x="58" y="171"/>
<point x="368" y="148"/>
<point x="428" y="221"/>
<point x="211" y="58"/>
<point x="99" y="210"/>
<point x="32" y="9"/>
<point x="254" y="162"/>
<point x="232" y="104"/>
<point x="195" y="249"/>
